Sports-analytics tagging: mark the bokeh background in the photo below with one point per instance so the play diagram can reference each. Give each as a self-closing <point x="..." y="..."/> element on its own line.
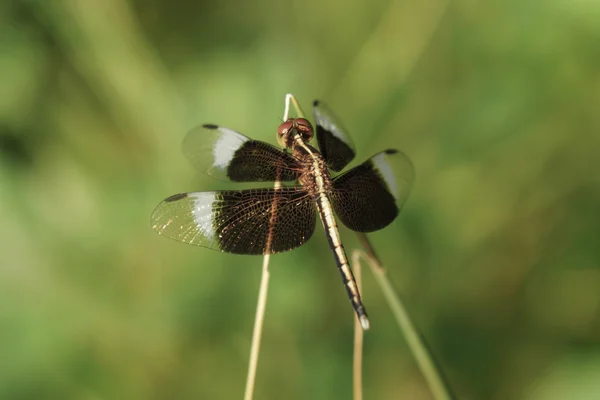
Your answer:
<point x="497" y="252"/>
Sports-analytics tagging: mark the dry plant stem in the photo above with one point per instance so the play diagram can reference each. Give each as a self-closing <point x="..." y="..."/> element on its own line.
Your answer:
<point x="258" y="325"/>
<point x="291" y="98"/>
<point x="424" y="358"/>
<point x="358" y="336"/>
<point x="264" y="288"/>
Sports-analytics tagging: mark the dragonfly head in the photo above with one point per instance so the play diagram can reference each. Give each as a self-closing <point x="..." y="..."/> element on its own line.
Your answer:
<point x="288" y="130"/>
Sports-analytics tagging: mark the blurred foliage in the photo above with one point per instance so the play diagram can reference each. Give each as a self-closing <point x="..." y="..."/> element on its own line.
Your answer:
<point x="497" y="251"/>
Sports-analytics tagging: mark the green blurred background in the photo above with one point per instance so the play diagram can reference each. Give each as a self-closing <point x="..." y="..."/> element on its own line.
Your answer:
<point x="497" y="251"/>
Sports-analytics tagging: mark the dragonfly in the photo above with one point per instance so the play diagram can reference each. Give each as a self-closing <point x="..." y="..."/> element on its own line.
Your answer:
<point x="280" y="218"/>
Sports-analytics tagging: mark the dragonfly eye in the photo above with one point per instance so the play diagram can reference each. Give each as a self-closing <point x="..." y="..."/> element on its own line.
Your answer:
<point x="305" y="128"/>
<point x="288" y="129"/>
<point x="283" y="133"/>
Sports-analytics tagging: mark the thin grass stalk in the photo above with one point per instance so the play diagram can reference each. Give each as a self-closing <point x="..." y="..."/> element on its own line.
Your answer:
<point x="359" y="334"/>
<point x="425" y="360"/>
<point x="258" y="325"/>
<point x="264" y="285"/>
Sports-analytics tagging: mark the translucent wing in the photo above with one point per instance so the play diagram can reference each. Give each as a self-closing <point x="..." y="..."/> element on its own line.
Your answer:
<point x="229" y="155"/>
<point x="369" y="196"/>
<point x="254" y="221"/>
<point x="335" y="145"/>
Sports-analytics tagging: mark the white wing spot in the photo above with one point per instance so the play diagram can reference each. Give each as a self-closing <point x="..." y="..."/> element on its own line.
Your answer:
<point x="328" y="125"/>
<point x="202" y="213"/>
<point x="381" y="164"/>
<point x="226" y="146"/>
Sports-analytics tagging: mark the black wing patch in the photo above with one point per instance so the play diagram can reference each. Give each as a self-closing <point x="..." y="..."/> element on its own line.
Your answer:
<point x="369" y="196"/>
<point x="229" y="155"/>
<point x="254" y="221"/>
<point x="335" y="145"/>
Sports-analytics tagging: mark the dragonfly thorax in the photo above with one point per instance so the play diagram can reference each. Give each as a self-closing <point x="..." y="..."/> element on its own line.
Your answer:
<point x="315" y="176"/>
